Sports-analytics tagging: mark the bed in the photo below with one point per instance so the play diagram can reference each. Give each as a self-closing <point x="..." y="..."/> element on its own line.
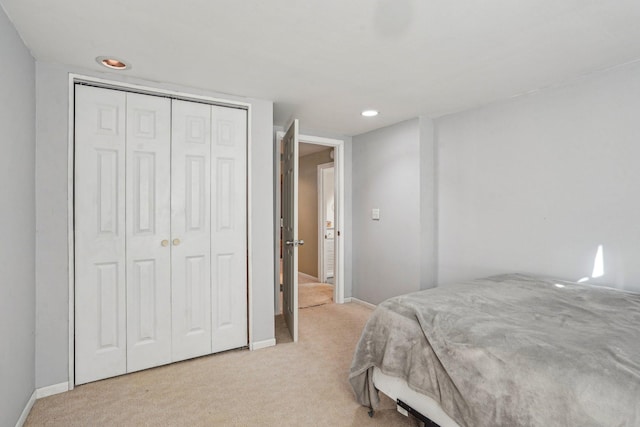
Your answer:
<point x="508" y="350"/>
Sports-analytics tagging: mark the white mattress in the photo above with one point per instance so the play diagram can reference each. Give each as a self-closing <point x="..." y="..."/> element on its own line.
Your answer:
<point x="397" y="388"/>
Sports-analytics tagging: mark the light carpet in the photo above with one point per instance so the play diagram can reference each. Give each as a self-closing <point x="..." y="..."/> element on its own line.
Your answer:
<point x="291" y="384"/>
<point x="312" y="294"/>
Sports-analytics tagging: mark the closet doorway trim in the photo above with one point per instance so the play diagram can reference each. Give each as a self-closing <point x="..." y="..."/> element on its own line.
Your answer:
<point x="148" y="90"/>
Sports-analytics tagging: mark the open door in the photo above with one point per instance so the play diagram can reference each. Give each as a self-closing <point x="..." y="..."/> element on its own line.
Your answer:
<point x="290" y="229"/>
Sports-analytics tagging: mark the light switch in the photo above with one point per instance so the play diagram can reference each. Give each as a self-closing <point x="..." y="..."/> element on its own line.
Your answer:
<point x="375" y="214"/>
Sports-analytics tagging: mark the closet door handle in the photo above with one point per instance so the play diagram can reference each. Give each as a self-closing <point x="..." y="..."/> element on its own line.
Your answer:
<point x="165" y="243"/>
<point x="176" y="242"/>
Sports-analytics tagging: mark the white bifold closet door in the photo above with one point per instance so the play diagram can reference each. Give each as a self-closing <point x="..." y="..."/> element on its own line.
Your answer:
<point x="229" y="225"/>
<point x="209" y="219"/>
<point x="100" y="292"/>
<point x="160" y="231"/>
<point x="148" y="223"/>
<point x="191" y="224"/>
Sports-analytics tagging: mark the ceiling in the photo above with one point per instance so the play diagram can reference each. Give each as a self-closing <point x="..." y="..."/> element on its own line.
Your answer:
<point x="324" y="61"/>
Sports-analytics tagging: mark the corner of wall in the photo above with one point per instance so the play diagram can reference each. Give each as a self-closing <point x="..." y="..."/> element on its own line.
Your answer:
<point x="18" y="226"/>
<point x="428" y="204"/>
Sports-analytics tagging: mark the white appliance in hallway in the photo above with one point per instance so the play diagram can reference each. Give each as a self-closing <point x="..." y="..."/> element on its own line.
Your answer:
<point x="326" y="221"/>
<point x="160" y="231"/>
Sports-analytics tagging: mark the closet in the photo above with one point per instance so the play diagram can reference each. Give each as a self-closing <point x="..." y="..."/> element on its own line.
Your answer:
<point x="160" y="231"/>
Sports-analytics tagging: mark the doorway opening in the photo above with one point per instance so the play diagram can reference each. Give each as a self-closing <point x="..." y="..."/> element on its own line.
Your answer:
<point x="316" y="220"/>
<point x="319" y="248"/>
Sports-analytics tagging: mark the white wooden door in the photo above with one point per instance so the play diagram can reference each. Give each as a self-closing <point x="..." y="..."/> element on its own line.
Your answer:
<point x="290" y="229"/>
<point x="100" y="285"/>
<point x="148" y="218"/>
<point x="191" y="229"/>
<point x="161" y="231"/>
<point x="228" y="228"/>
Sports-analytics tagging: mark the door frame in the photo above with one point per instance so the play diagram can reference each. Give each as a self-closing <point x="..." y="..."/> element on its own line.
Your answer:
<point x="148" y="90"/>
<point x="338" y="160"/>
<point x="320" y="189"/>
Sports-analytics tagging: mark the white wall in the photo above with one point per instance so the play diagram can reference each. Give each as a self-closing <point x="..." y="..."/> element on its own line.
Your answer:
<point x="386" y="175"/>
<point x="52" y="276"/>
<point x="535" y="184"/>
<point x="17" y="224"/>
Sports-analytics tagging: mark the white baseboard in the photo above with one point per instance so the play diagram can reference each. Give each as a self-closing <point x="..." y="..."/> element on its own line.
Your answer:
<point x="263" y="344"/>
<point x="52" y="389"/>
<point x="26" y="410"/>
<point x="359" y="301"/>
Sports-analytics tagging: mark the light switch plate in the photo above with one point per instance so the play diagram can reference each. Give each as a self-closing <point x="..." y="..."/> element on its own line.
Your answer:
<point x="375" y="214"/>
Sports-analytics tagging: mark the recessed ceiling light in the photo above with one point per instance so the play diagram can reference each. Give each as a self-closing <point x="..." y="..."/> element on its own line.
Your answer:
<point x="112" y="63"/>
<point x="369" y="113"/>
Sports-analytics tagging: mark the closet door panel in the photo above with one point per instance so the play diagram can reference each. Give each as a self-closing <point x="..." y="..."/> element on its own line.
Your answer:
<point x="148" y="222"/>
<point x="100" y="318"/>
<point x="229" y="228"/>
<point x="191" y="226"/>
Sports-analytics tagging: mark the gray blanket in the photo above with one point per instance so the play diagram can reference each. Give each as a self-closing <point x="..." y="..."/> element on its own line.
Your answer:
<point x="510" y="350"/>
